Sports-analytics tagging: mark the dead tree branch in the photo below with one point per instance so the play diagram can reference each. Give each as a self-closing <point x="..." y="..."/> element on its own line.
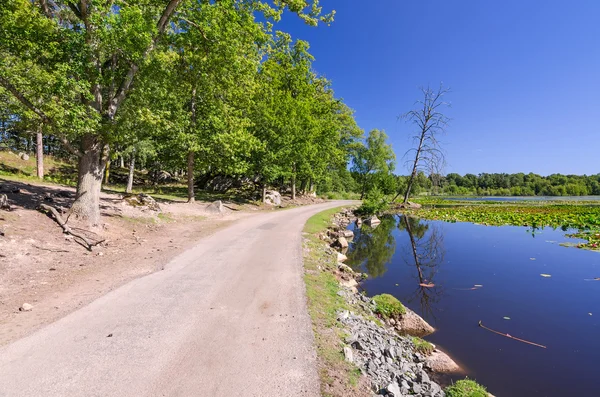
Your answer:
<point x="78" y="238"/>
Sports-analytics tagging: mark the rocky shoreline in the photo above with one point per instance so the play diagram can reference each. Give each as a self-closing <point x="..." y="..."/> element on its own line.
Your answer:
<point x="384" y="349"/>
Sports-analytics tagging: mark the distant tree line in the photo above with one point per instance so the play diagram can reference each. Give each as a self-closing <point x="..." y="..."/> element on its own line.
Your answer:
<point x="519" y="184"/>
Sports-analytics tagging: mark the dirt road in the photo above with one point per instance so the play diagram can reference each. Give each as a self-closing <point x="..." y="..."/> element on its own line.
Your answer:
<point x="226" y="318"/>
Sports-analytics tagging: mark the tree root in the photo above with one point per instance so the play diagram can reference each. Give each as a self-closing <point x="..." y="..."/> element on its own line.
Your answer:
<point x="78" y="238"/>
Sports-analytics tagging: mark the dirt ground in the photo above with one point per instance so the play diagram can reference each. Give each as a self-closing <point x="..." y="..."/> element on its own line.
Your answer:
<point x="47" y="269"/>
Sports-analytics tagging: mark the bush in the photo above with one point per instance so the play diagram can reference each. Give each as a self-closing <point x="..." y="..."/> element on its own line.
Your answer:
<point x="374" y="203"/>
<point x="466" y="388"/>
<point x="422" y="346"/>
<point x="388" y="306"/>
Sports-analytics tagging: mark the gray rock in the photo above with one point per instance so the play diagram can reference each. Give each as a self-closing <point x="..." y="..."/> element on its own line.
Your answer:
<point x="349" y="234"/>
<point x="24" y="156"/>
<point x="393" y="389"/>
<point x="348" y="354"/>
<point x="26" y="307"/>
<point x="215" y="207"/>
<point x="273" y="197"/>
<point x="372" y="221"/>
<point x="341" y="257"/>
<point x="342" y="242"/>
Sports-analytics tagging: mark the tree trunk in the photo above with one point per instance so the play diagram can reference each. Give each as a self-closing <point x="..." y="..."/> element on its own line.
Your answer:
<point x="107" y="173"/>
<point x="121" y="162"/>
<point x="190" y="177"/>
<point x="89" y="181"/>
<point x="131" y="172"/>
<point x="39" y="153"/>
<point x="294" y="182"/>
<point x="264" y="193"/>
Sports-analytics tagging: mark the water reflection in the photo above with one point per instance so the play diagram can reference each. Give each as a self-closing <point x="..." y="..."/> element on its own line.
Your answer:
<point x="426" y="254"/>
<point x="423" y="249"/>
<point x="372" y="248"/>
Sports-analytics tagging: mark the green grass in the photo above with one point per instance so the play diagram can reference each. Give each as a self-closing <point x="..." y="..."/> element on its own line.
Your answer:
<point x="388" y="306"/>
<point x="422" y="346"/>
<point x="319" y="222"/>
<point x="466" y="388"/>
<point x="323" y="304"/>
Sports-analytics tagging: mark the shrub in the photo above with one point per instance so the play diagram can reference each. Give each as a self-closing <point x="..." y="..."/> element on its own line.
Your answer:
<point x="388" y="306"/>
<point x="466" y="388"/>
<point x="374" y="203"/>
<point x="422" y="346"/>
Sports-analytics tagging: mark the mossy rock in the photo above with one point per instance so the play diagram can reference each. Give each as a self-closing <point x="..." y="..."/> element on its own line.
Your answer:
<point x="422" y="346"/>
<point x="388" y="306"/>
<point x="466" y="388"/>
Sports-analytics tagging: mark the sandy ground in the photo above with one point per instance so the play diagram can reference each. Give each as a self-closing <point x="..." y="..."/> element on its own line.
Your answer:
<point x="41" y="266"/>
<point x="226" y="317"/>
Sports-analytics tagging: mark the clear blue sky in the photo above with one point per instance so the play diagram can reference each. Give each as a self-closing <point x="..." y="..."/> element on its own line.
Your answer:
<point x="525" y="76"/>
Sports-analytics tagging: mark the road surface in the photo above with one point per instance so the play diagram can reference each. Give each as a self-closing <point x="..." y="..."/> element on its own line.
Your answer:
<point x="226" y="318"/>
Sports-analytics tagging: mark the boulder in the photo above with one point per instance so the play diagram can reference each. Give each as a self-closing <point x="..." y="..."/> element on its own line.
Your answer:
<point x="24" y="156"/>
<point x="348" y="234"/>
<point x="341" y="257"/>
<point x="341" y="242"/>
<point x="393" y="390"/>
<point x="345" y="268"/>
<point x="215" y="207"/>
<point x="4" y="205"/>
<point x="273" y="197"/>
<point x="372" y="221"/>
<point x="412" y="324"/>
<point x="348" y="354"/>
<point x="440" y="362"/>
<point x="142" y="200"/>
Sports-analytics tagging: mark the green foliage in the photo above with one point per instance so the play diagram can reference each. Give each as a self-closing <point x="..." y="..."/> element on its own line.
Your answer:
<point x="373" y="160"/>
<point x="388" y="306"/>
<point x="422" y="346"/>
<point x="375" y="203"/>
<point x="374" y="248"/>
<point x="466" y="388"/>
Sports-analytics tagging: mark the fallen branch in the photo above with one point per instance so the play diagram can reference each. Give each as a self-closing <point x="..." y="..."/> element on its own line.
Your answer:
<point x="510" y="336"/>
<point x="78" y="238"/>
<point x="49" y="249"/>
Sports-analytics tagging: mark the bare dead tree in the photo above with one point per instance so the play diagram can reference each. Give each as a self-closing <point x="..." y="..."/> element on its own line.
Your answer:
<point x="430" y="123"/>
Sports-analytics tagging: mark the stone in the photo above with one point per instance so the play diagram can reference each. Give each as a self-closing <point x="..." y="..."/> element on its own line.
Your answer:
<point x="24" y="156"/>
<point x="341" y="257"/>
<point x="4" y="205"/>
<point x="273" y="197"/>
<point x="215" y="207"/>
<point x="352" y="283"/>
<point x="393" y="389"/>
<point x="348" y="354"/>
<point x="142" y="200"/>
<point x="372" y="221"/>
<point x="342" y="242"/>
<point x="348" y="234"/>
<point x="26" y="307"/>
<point x="412" y="324"/>
<point x="438" y="361"/>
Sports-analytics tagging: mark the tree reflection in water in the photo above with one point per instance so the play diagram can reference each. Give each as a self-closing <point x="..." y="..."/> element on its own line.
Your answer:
<point x="426" y="253"/>
<point x="372" y="249"/>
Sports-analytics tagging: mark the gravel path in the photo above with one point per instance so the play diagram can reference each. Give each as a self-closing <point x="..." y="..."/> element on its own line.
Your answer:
<point x="226" y="318"/>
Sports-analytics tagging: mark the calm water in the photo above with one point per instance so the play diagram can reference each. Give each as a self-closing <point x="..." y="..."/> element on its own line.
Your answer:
<point x="507" y="261"/>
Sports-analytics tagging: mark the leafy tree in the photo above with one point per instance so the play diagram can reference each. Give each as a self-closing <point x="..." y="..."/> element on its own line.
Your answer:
<point x="74" y="64"/>
<point x="373" y="157"/>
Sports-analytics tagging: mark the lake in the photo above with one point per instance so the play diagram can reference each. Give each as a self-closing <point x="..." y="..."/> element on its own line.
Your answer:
<point x="561" y="312"/>
<point x="522" y="198"/>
